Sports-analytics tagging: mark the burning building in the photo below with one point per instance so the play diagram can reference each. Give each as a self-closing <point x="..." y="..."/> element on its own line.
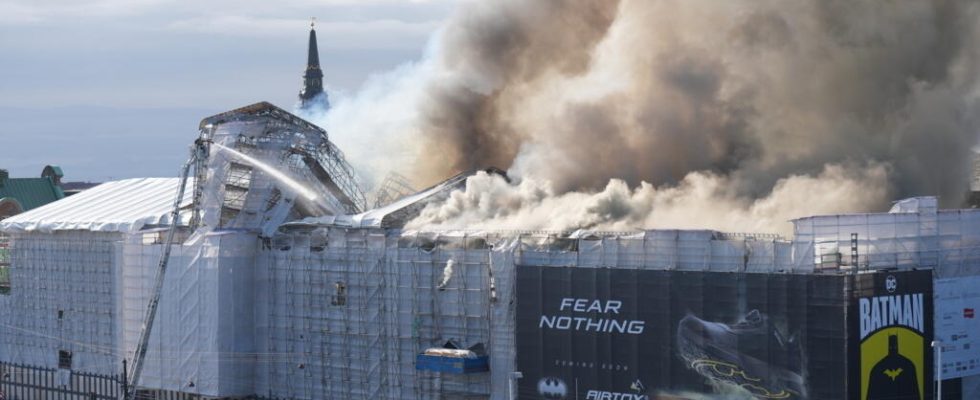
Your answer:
<point x="279" y="284"/>
<point x="262" y="273"/>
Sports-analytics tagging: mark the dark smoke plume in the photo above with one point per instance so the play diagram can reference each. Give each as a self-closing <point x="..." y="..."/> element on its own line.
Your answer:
<point x="741" y="97"/>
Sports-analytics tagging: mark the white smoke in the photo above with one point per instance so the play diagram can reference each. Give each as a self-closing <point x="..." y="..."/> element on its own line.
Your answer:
<point x="700" y="201"/>
<point x="732" y="115"/>
<point x="378" y="127"/>
<point x="447" y="274"/>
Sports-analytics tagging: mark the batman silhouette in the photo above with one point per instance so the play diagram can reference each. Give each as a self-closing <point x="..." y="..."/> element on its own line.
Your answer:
<point x="552" y="388"/>
<point x="893" y="373"/>
<point x="894" y="377"/>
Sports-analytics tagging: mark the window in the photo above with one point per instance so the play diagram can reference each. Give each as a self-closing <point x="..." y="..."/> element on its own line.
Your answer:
<point x="238" y="179"/>
<point x="340" y="294"/>
<point x="4" y="265"/>
<point x="64" y="359"/>
<point x="4" y="279"/>
<point x="157" y="236"/>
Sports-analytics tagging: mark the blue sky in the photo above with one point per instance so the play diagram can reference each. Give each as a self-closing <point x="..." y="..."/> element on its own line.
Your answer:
<point x="115" y="88"/>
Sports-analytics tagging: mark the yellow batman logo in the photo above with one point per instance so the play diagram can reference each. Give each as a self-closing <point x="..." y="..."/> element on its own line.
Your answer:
<point x="893" y="373"/>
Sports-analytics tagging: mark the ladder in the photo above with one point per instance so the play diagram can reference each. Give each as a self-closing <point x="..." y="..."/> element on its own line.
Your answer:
<point x="198" y="153"/>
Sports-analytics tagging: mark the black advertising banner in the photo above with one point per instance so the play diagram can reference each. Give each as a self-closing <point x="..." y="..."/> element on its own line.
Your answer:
<point x="625" y="334"/>
<point x="892" y="328"/>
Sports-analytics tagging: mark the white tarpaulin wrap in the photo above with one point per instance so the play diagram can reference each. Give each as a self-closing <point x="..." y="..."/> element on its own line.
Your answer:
<point x="348" y="312"/>
<point x="202" y="341"/>
<point x="119" y="206"/>
<point x="503" y="343"/>
<point x="340" y="312"/>
<point x="62" y="298"/>
<point x="913" y="235"/>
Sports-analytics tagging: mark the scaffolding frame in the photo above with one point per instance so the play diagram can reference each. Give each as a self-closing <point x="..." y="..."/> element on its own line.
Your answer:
<point x="301" y="137"/>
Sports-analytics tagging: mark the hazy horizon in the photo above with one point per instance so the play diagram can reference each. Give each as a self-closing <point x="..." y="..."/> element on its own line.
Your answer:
<point x="108" y="89"/>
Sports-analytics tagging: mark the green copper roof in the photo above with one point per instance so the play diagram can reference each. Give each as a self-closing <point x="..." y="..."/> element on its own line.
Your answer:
<point x="52" y="170"/>
<point x="31" y="192"/>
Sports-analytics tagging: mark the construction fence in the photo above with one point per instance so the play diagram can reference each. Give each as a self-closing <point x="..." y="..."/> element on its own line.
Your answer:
<point x="27" y="382"/>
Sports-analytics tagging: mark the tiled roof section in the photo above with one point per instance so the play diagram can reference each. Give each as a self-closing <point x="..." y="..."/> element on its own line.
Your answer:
<point x="31" y="192"/>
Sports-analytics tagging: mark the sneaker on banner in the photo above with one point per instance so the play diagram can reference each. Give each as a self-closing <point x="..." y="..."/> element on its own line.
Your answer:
<point x="750" y="354"/>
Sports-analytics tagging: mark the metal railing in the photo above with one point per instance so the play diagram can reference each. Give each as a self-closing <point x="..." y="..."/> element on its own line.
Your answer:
<point x="27" y="382"/>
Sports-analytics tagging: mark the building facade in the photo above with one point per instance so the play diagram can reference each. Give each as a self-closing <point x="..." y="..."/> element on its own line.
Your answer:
<point x="274" y="292"/>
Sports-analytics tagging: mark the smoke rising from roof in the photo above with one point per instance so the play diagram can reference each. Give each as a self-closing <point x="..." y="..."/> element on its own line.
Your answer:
<point x="700" y="200"/>
<point x="727" y="105"/>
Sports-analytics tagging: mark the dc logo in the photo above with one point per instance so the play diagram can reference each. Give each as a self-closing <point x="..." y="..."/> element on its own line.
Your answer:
<point x="891" y="284"/>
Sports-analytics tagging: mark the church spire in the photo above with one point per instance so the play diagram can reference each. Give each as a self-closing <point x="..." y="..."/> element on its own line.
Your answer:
<point x="313" y="77"/>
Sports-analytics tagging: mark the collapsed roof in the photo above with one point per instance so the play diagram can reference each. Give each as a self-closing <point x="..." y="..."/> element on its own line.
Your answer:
<point x="263" y="166"/>
<point x="401" y="211"/>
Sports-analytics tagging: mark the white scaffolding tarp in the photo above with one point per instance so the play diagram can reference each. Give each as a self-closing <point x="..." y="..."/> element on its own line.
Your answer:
<point x="119" y="206"/>
<point x="340" y="312"/>
<point x="914" y="234"/>
<point x="62" y="299"/>
<point x="202" y="340"/>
